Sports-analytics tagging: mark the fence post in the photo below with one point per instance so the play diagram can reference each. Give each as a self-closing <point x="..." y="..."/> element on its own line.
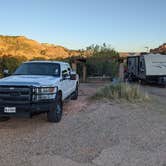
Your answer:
<point x="121" y="71"/>
<point x="74" y="66"/>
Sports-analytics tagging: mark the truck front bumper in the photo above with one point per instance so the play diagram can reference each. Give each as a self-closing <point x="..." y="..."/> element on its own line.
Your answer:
<point x="26" y="110"/>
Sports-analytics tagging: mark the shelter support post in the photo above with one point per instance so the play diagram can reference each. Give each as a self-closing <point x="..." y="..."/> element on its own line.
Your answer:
<point x="121" y="71"/>
<point x="74" y="66"/>
<point x="84" y="72"/>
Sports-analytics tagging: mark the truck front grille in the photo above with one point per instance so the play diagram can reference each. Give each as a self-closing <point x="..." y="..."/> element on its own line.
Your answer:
<point x="15" y="94"/>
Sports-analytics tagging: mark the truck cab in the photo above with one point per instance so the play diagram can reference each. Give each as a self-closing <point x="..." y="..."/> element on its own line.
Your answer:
<point x="38" y="87"/>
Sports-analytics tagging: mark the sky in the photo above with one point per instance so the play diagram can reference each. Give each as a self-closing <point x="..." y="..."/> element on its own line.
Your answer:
<point x="127" y="25"/>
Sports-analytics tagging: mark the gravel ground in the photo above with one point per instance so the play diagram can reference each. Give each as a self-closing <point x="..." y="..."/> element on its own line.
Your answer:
<point x="90" y="134"/>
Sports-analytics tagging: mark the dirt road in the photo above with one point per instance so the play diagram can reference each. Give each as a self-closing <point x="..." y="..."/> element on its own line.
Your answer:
<point x="90" y="134"/>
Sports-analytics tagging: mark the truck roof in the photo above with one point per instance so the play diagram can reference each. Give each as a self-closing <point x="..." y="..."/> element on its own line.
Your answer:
<point x="43" y="61"/>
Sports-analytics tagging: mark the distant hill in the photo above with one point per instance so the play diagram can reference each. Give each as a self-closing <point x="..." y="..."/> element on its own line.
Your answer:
<point x="22" y="46"/>
<point x="161" y="49"/>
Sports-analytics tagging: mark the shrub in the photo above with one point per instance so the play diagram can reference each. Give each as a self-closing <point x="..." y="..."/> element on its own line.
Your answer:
<point x="120" y="91"/>
<point x="103" y="61"/>
<point x="10" y="62"/>
<point x="99" y="67"/>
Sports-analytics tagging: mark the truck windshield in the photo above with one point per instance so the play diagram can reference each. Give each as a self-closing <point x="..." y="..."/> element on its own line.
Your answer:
<point x="52" y="69"/>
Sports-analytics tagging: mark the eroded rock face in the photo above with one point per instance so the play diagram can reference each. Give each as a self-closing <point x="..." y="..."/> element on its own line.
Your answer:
<point x="22" y="46"/>
<point x="161" y="49"/>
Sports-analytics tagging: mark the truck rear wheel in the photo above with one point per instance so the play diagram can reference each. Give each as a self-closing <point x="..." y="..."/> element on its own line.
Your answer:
<point x="55" y="113"/>
<point x="75" y="94"/>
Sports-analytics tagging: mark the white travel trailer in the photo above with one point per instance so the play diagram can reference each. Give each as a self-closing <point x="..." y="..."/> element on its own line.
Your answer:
<point x="148" y="67"/>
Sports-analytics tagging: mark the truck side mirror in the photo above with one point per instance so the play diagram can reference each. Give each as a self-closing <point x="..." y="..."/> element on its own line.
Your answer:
<point x="6" y="72"/>
<point x="64" y="75"/>
<point x="73" y="75"/>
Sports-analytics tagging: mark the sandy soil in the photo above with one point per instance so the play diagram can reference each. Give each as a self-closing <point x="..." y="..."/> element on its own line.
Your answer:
<point x="100" y="133"/>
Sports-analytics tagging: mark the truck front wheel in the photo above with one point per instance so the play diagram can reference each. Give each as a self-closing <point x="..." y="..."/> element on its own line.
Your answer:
<point x="55" y="113"/>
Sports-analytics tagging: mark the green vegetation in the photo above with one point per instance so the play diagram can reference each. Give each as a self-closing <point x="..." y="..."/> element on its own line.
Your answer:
<point x="122" y="91"/>
<point x="103" y="61"/>
<point x="11" y="63"/>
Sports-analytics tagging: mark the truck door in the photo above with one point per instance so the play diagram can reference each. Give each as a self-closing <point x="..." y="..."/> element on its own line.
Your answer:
<point x="65" y="81"/>
<point x="71" y="82"/>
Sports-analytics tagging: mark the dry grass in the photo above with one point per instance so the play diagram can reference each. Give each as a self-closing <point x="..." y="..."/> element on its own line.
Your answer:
<point x="122" y="91"/>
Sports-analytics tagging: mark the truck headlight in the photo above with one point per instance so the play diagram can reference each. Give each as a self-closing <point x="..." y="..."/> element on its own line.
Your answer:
<point x="44" y="93"/>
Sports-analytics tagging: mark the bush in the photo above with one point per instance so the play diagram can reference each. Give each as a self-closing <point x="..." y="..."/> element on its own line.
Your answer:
<point x="124" y="91"/>
<point x="103" y="61"/>
<point x="100" y="67"/>
<point x="10" y="62"/>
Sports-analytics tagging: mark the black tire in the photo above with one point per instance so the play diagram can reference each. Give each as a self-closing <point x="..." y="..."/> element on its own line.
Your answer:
<point x="75" y="94"/>
<point x="2" y="119"/>
<point x="55" y="113"/>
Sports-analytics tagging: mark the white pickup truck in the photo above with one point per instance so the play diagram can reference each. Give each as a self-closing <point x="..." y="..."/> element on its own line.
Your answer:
<point x="38" y="87"/>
